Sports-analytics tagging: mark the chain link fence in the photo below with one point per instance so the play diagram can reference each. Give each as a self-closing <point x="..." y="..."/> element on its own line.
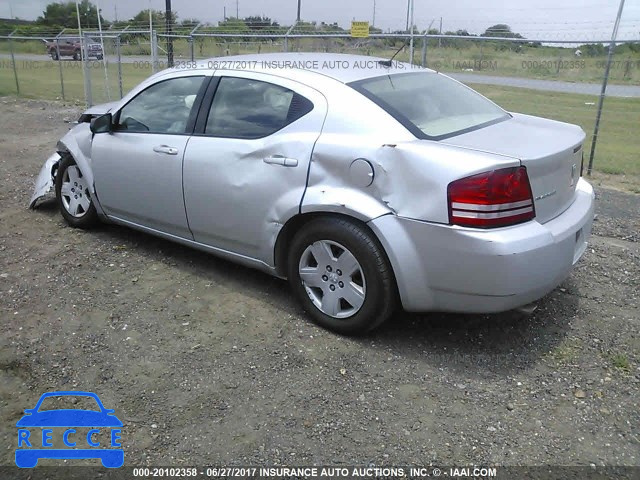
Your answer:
<point x="556" y="78"/>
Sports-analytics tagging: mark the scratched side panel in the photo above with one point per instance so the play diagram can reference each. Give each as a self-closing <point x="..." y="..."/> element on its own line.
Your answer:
<point x="410" y="176"/>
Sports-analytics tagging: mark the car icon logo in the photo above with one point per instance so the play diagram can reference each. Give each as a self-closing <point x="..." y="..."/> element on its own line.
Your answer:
<point x="85" y="434"/>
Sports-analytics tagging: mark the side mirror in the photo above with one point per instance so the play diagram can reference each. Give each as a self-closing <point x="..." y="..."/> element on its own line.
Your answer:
<point x="102" y="124"/>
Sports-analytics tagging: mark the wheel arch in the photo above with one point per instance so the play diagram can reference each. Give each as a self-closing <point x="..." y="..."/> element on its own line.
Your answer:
<point x="293" y="226"/>
<point x="75" y="144"/>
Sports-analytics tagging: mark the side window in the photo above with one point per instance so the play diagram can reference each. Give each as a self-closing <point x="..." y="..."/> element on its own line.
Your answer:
<point x="245" y="108"/>
<point x="162" y="108"/>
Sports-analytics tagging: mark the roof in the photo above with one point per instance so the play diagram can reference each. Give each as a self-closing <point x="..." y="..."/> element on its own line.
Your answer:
<point x="342" y="67"/>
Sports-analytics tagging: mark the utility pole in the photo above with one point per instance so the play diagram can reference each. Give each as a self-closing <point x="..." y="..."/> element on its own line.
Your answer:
<point x="408" y="13"/>
<point x="238" y="9"/>
<point x="374" y="14"/>
<point x="168" y="20"/>
<point x="440" y="40"/>
<point x="299" y="8"/>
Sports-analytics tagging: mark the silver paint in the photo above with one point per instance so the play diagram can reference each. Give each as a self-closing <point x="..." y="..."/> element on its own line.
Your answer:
<point x="232" y="197"/>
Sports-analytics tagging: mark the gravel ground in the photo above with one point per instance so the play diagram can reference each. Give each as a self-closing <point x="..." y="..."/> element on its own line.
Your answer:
<point x="207" y="362"/>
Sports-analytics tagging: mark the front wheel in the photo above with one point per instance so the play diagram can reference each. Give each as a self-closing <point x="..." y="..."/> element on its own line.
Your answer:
<point x="54" y="55"/>
<point x="74" y="198"/>
<point x="76" y="55"/>
<point x="341" y="275"/>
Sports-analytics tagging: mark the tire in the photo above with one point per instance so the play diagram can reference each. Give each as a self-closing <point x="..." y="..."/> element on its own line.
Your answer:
<point x="54" y="55"/>
<point x="76" y="55"/>
<point x="358" y="299"/>
<point x="72" y="194"/>
<point x="99" y="57"/>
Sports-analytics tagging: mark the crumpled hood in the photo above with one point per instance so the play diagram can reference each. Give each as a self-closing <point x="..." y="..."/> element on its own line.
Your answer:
<point x="101" y="109"/>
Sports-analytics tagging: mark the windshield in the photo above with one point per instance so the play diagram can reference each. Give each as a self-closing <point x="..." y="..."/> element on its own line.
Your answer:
<point x="431" y="105"/>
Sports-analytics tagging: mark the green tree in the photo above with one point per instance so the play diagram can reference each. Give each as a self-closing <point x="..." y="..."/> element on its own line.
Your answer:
<point x="64" y="14"/>
<point x="501" y="30"/>
<point x="158" y="17"/>
<point x="232" y="25"/>
<point x="260" y="23"/>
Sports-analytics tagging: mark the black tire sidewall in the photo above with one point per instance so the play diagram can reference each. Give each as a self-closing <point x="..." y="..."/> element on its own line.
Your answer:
<point x="90" y="217"/>
<point x="380" y="285"/>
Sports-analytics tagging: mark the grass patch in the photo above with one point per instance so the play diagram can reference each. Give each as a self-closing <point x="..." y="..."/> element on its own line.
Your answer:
<point x="565" y="353"/>
<point x="41" y="79"/>
<point x="618" y="144"/>
<point x="621" y="362"/>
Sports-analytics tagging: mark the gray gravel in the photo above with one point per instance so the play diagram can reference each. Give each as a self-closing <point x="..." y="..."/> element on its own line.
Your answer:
<point x="209" y="362"/>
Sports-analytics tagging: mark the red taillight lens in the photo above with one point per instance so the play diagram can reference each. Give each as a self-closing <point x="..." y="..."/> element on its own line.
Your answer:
<point x="492" y="199"/>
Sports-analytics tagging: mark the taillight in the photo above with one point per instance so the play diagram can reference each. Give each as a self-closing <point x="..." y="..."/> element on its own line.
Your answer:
<point x="492" y="199"/>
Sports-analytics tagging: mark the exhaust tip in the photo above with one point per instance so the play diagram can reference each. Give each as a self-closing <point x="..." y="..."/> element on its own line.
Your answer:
<point x="527" y="309"/>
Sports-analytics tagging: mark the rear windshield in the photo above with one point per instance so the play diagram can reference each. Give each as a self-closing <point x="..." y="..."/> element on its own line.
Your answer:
<point x="431" y="105"/>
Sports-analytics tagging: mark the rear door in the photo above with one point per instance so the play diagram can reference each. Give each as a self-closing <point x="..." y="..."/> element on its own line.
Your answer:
<point x="245" y="168"/>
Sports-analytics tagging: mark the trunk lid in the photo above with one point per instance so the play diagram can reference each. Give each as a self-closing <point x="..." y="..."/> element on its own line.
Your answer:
<point x="551" y="151"/>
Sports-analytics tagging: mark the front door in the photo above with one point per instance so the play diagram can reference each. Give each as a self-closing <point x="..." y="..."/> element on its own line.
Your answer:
<point x="138" y="167"/>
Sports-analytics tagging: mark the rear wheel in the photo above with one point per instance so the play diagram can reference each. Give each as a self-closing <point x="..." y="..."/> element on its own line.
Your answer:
<point x="341" y="275"/>
<point x="74" y="198"/>
<point x="76" y="55"/>
<point x="54" y="55"/>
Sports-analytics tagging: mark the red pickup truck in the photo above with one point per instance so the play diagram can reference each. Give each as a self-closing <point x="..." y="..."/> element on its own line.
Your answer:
<point x="71" y="47"/>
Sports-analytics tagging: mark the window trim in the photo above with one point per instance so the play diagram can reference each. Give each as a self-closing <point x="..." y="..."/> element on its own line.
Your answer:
<point x="207" y="103"/>
<point x="358" y="86"/>
<point x="195" y="108"/>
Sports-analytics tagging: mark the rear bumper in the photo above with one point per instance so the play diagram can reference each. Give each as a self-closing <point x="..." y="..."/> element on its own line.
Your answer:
<point x="444" y="268"/>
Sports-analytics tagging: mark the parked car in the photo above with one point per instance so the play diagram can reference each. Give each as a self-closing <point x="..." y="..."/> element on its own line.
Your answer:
<point x="72" y="47"/>
<point x="366" y="187"/>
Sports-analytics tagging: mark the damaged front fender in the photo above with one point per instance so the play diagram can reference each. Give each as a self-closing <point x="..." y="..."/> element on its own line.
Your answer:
<point x="45" y="179"/>
<point x="77" y="143"/>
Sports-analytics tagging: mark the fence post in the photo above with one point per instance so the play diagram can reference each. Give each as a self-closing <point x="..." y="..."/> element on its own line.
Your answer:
<point x="596" y="128"/>
<point x="424" y="50"/>
<point x="192" y="40"/>
<point x="60" y="65"/>
<point x="154" y="51"/>
<point x="119" y="64"/>
<point x="13" y="63"/>
<point x="411" y="42"/>
<point x="286" y="37"/>
<point x="87" y="73"/>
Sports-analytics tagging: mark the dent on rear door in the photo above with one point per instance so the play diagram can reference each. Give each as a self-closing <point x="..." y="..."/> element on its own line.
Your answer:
<point x="238" y="202"/>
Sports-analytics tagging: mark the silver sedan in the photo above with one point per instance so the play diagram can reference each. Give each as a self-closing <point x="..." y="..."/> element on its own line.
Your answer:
<point x="369" y="185"/>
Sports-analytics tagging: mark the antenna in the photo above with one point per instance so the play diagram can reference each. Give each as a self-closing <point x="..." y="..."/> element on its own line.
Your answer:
<point x="388" y="63"/>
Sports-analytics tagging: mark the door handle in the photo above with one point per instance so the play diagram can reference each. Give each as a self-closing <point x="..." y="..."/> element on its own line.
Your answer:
<point x="281" y="160"/>
<point x="165" y="149"/>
